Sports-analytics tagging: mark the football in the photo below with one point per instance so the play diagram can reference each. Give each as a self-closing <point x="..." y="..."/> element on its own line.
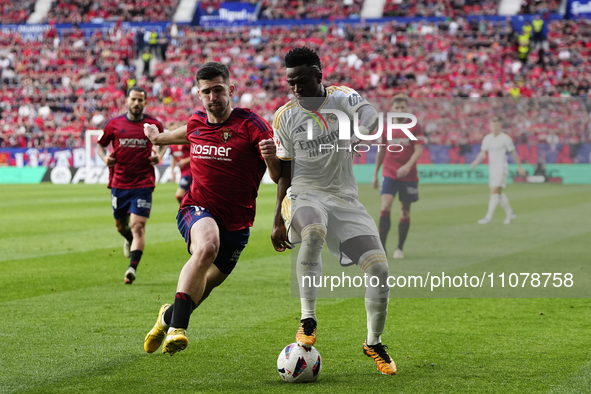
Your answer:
<point x="298" y="364"/>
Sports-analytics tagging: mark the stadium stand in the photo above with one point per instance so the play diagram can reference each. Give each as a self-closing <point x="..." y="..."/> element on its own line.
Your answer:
<point x="85" y="11"/>
<point x="75" y="84"/>
<point x="16" y="11"/>
<point x="302" y="9"/>
<point x="449" y="8"/>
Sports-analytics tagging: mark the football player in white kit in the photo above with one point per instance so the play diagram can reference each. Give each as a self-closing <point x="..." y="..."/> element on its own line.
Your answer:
<point x="324" y="204"/>
<point x="497" y="144"/>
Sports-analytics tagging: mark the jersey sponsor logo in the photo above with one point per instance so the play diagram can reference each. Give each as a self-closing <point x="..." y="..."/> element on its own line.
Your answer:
<point x="133" y="142"/>
<point x="210" y="151"/>
<point x="141" y="203"/>
<point x="355" y="99"/>
<point x="226" y="134"/>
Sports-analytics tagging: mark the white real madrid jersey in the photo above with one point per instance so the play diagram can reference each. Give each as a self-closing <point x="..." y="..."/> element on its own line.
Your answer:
<point x="315" y="165"/>
<point x="497" y="148"/>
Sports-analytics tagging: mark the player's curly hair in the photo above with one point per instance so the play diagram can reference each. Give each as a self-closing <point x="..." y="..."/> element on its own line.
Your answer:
<point x="302" y="56"/>
<point x="211" y="70"/>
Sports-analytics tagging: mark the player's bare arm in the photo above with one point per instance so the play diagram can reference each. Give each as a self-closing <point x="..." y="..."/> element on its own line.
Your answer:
<point x="405" y="169"/>
<point x="478" y="159"/>
<point x="269" y="154"/>
<point x="175" y="137"/>
<point x="517" y="161"/>
<point x="102" y="153"/>
<point x="158" y="158"/>
<point x="183" y="162"/>
<point x="279" y="234"/>
<point x="173" y="162"/>
<point x="379" y="161"/>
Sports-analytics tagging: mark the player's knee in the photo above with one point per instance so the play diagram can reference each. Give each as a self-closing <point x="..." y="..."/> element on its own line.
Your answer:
<point x="207" y="251"/>
<point x="138" y="229"/>
<point x="387" y="204"/>
<point x="380" y="270"/>
<point x="122" y="225"/>
<point x="313" y="236"/>
<point x="122" y="228"/>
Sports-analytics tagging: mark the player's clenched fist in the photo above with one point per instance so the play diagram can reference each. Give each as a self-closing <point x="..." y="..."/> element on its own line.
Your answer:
<point x="268" y="149"/>
<point x="151" y="131"/>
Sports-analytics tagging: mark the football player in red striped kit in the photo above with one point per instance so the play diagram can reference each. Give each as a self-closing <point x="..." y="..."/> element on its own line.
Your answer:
<point x="230" y="150"/>
<point x="400" y="176"/>
<point x="131" y="174"/>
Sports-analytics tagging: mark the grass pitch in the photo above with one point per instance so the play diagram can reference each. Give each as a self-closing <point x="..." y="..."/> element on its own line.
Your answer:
<point x="70" y="325"/>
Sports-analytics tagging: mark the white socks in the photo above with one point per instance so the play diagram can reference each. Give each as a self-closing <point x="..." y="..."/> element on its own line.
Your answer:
<point x="492" y="205"/>
<point x="505" y="204"/>
<point x="374" y="263"/>
<point x="309" y="264"/>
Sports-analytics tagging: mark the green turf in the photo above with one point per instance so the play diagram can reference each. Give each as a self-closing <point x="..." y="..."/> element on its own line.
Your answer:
<point x="70" y="325"/>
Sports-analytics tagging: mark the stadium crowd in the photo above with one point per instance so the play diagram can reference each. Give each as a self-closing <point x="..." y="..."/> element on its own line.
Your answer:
<point x="16" y="11"/>
<point x="69" y="84"/>
<point x="302" y="9"/>
<point x="86" y="11"/>
<point x="449" y="8"/>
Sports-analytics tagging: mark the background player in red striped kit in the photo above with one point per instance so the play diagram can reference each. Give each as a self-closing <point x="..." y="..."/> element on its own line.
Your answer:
<point x="181" y="156"/>
<point x="399" y="176"/>
<point x="131" y="174"/>
<point x="230" y="148"/>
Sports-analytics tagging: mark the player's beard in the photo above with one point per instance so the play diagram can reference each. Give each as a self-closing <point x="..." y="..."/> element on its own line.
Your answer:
<point x="136" y="111"/>
<point x="217" y="110"/>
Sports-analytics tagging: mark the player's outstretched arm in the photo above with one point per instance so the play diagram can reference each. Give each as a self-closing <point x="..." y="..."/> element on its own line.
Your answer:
<point x="175" y="137"/>
<point x="478" y="159"/>
<point x="279" y="234"/>
<point x="517" y="161"/>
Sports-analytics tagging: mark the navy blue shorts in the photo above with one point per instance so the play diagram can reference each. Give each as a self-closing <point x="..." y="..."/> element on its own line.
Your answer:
<point x="409" y="191"/>
<point x="232" y="243"/>
<point x="126" y="201"/>
<point x="186" y="181"/>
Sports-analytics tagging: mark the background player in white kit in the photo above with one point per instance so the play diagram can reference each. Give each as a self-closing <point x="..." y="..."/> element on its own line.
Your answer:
<point x="497" y="144"/>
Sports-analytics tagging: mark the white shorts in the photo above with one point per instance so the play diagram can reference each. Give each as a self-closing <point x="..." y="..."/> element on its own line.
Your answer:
<point x="343" y="217"/>
<point x="497" y="178"/>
